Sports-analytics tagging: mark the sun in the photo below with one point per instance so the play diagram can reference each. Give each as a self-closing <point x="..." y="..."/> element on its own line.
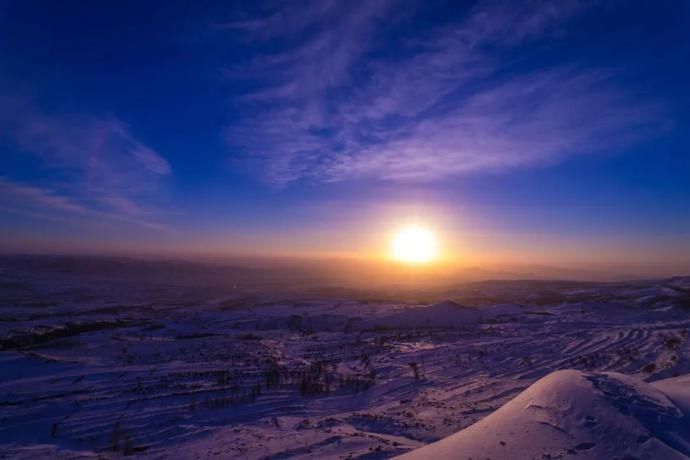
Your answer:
<point x="414" y="244"/>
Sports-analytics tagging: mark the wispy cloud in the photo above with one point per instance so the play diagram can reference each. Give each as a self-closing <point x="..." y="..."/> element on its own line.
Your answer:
<point x="77" y="141"/>
<point x="334" y="105"/>
<point x="534" y="119"/>
<point x="16" y="193"/>
<point x="284" y="22"/>
<point x="48" y="204"/>
<point x="104" y="170"/>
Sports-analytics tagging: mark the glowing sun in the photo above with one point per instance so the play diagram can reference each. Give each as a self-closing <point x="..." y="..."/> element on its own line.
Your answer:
<point x="414" y="244"/>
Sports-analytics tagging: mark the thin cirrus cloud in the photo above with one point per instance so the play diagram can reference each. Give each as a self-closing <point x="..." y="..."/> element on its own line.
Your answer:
<point x="104" y="170"/>
<point x="48" y="204"/>
<point x="13" y="192"/>
<point x="333" y="107"/>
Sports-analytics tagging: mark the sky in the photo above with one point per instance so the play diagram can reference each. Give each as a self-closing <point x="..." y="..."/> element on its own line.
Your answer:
<point x="520" y="132"/>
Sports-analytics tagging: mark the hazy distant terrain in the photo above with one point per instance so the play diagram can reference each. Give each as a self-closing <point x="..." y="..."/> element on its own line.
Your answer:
<point x="110" y="357"/>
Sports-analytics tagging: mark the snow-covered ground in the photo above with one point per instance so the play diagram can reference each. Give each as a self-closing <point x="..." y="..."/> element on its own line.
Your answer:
<point x="167" y="364"/>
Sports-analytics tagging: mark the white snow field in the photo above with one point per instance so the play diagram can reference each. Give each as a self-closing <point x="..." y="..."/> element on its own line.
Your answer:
<point x="104" y="359"/>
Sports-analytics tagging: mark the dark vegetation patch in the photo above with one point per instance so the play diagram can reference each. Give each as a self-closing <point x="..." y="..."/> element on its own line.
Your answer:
<point x="197" y="335"/>
<point x="37" y="336"/>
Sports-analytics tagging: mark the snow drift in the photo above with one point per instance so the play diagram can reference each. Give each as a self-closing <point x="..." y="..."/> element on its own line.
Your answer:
<point x="590" y="415"/>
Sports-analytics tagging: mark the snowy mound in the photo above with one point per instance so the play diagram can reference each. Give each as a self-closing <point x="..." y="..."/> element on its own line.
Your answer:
<point x="590" y="415"/>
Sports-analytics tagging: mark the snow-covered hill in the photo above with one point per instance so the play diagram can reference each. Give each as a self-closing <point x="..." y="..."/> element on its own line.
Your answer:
<point x="591" y="415"/>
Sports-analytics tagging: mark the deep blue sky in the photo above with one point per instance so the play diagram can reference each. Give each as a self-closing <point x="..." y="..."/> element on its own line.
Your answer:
<point x="521" y="131"/>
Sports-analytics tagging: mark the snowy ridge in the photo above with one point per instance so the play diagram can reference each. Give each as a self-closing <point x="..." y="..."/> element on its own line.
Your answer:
<point x="591" y="415"/>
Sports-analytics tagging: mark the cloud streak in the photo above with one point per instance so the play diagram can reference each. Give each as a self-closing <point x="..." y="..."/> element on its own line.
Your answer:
<point x="105" y="171"/>
<point x="535" y="119"/>
<point x="48" y="204"/>
<point x="337" y="107"/>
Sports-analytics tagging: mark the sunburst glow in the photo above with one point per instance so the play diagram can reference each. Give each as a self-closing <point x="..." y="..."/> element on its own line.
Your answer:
<point x="414" y="244"/>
